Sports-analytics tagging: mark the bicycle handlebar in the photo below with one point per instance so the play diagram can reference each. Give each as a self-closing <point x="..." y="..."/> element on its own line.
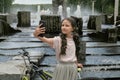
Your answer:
<point x="25" y="52"/>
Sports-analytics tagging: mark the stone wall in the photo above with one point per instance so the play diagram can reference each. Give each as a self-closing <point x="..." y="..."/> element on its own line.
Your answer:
<point x="52" y="23"/>
<point x="94" y="22"/>
<point x="5" y="28"/>
<point x="23" y="19"/>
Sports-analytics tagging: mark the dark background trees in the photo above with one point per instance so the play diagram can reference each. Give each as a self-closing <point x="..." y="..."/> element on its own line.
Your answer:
<point x="5" y="5"/>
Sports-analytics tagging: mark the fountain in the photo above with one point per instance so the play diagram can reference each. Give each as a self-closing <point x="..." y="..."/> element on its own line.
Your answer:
<point x="60" y="11"/>
<point x="68" y="11"/>
<point x="78" y="11"/>
<point x="93" y="4"/>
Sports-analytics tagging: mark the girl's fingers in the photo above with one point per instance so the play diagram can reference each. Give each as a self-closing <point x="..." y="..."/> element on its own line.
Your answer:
<point x="40" y="25"/>
<point x="39" y="30"/>
<point x="80" y="65"/>
<point x="42" y="28"/>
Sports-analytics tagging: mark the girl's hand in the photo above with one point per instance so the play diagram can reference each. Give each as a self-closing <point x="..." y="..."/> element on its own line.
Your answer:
<point x="39" y="30"/>
<point x="79" y="65"/>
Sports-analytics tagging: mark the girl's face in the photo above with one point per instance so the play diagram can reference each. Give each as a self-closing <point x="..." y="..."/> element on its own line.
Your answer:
<point x="66" y="27"/>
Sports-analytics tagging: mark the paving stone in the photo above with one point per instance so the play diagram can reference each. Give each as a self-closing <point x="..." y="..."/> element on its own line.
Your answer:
<point x="18" y="45"/>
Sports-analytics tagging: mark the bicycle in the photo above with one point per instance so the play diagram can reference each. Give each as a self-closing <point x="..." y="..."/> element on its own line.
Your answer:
<point x="33" y="71"/>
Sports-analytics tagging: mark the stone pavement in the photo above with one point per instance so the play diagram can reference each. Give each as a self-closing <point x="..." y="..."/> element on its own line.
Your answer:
<point x="102" y="59"/>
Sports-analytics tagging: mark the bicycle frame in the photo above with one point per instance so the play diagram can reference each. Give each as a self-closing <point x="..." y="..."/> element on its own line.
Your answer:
<point x="33" y="69"/>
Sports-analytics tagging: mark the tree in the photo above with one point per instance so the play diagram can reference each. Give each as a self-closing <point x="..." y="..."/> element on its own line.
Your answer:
<point x="5" y="5"/>
<point x="105" y="6"/>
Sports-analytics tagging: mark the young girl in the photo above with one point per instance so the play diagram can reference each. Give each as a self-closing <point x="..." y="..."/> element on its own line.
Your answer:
<point x="66" y="47"/>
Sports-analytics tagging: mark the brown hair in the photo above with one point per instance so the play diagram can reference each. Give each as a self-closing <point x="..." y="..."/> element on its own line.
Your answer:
<point x="75" y="38"/>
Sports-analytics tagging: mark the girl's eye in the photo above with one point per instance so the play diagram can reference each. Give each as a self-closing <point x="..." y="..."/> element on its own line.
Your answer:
<point x="67" y="25"/>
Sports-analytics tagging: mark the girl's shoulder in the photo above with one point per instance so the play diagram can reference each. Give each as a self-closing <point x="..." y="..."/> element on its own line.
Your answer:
<point x="57" y="38"/>
<point x="56" y="41"/>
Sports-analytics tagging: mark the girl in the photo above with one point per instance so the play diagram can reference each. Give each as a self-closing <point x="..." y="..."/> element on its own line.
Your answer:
<point x="66" y="47"/>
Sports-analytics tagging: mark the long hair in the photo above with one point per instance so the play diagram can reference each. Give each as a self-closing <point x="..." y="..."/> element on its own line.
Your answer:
<point x="75" y="38"/>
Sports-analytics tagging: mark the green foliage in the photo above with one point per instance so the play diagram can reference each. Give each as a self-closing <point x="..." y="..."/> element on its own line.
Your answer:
<point x="109" y="10"/>
<point x="5" y="5"/>
<point x="103" y="6"/>
<point x="75" y="2"/>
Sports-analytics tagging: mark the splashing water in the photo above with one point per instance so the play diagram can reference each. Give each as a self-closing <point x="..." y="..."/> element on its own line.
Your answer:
<point x="60" y="10"/>
<point x="68" y="11"/>
<point x="78" y="11"/>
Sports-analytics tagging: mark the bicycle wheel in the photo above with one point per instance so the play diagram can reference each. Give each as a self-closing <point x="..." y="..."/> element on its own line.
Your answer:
<point x="25" y="77"/>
